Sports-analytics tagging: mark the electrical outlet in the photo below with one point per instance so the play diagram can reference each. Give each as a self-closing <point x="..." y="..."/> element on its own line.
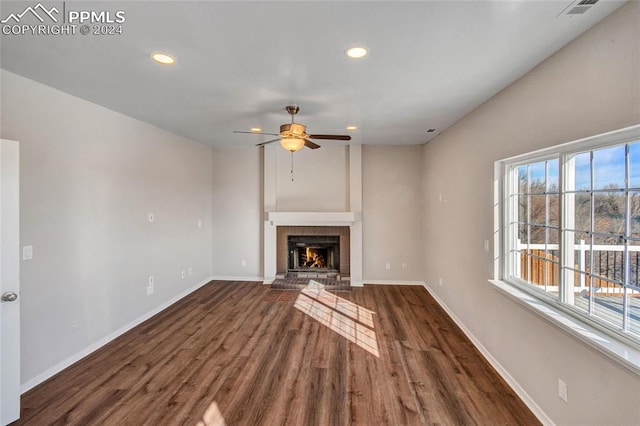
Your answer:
<point x="486" y="246"/>
<point x="440" y="198"/>
<point x="563" y="391"/>
<point x="243" y="263"/>
<point x="151" y="217"/>
<point x="404" y="266"/>
<point x="190" y="271"/>
<point x="199" y="224"/>
<point x="183" y="274"/>
<point x="440" y="281"/>
<point x="150" y="289"/>
<point x="74" y="328"/>
<point x="387" y="266"/>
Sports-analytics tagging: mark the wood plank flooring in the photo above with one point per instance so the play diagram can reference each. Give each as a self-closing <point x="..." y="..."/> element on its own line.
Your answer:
<point x="244" y="352"/>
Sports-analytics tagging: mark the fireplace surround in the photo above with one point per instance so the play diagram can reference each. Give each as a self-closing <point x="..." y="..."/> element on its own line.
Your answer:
<point x="313" y="248"/>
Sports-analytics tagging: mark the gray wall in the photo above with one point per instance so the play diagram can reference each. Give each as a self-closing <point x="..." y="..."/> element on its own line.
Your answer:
<point x="89" y="177"/>
<point x="237" y="213"/>
<point x="589" y="87"/>
<point x="392" y="217"/>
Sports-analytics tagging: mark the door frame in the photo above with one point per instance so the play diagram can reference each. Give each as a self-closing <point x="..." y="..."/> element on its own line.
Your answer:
<point x="10" y="280"/>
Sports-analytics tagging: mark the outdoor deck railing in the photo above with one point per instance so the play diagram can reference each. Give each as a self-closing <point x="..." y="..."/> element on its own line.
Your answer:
<point x="539" y="265"/>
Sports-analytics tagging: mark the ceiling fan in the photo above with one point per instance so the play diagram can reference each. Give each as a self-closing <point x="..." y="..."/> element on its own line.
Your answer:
<point x="294" y="136"/>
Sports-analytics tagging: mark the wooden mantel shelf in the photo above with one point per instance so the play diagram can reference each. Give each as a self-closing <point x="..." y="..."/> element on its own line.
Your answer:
<point x="312" y="218"/>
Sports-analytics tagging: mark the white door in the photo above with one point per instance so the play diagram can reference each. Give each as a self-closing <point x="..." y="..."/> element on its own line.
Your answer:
<point x="9" y="283"/>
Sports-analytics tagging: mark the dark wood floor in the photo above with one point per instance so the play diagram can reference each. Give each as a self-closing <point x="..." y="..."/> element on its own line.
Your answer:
<point x="243" y="349"/>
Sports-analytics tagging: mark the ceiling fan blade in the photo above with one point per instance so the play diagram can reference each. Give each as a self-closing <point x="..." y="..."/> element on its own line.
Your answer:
<point x="257" y="133"/>
<point x="334" y="137"/>
<point x="310" y="144"/>
<point x="264" y="143"/>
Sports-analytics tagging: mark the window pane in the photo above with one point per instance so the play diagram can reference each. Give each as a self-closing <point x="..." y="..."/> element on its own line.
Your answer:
<point x="538" y="209"/>
<point x="536" y="176"/>
<point x="553" y="176"/>
<point x="537" y="235"/>
<point x="609" y="168"/>
<point x="634" y="311"/>
<point x="608" y="301"/>
<point x="523" y="205"/>
<point x="553" y="203"/>
<point x="609" y="211"/>
<point x="634" y="165"/>
<point x="634" y="263"/>
<point x="634" y="213"/>
<point x="523" y="179"/>
<point x="578" y="243"/>
<point x="523" y="234"/>
<point x="582" y="171"/>
<point x="581" y="203"/>
<point x="579" y="286"/>
<point x="608" y="257"/>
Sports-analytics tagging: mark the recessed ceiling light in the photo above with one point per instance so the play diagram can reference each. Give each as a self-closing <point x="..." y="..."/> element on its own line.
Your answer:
<point x="256" y="129"/>
<point x="352" y="127"/>
<point x="356" y="52"/>
<point x="163" y="58"/>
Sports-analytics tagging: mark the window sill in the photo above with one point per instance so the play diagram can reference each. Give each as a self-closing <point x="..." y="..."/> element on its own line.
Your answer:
<point x="617" y="350"/>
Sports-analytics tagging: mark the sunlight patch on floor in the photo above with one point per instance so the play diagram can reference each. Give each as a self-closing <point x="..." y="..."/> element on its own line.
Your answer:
<point x="212" y="417"/>
<point x="346" y="318"/>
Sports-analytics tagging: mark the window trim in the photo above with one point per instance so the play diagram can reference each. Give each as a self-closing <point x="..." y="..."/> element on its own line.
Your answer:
<point x="503" y="233"/>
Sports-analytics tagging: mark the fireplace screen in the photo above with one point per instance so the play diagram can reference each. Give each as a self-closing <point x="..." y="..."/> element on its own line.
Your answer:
<point x="313" y="253"/>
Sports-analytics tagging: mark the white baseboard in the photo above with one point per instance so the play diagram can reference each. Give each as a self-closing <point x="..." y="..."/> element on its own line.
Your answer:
<point x="519" y="390"/>
<point x="229" y="278"/>
<point x="97" y="345"/>
<point x="394" y="282"/>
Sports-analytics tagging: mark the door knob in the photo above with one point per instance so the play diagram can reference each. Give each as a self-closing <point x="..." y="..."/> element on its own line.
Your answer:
<point x="9" y="296"/>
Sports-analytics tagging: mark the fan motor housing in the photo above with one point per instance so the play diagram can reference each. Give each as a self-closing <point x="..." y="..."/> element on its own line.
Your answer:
<point x="293" y="129"/>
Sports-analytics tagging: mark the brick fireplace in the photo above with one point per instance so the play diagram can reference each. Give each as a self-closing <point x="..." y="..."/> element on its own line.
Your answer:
<point x="313" y="248"/>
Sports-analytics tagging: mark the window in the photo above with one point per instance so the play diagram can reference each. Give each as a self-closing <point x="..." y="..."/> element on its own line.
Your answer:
<point x="570" y="225"/>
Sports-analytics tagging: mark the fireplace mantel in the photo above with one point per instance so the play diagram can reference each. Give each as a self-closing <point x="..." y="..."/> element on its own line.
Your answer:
<point x="350" y="156"/>
<point x="312" y="218"/>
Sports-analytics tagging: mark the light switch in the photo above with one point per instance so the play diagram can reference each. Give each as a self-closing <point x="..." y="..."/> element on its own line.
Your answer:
<point x="27" y="252"/>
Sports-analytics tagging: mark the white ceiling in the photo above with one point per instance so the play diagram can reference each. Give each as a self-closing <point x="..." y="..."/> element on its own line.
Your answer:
<point x="239" y="63"/>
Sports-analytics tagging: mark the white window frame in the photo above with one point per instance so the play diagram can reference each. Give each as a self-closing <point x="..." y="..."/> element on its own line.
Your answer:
<point x="504" y="239"/>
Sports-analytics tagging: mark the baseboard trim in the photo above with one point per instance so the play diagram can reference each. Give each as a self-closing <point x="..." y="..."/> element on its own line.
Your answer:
<point x="231" y="278"/>
<point x="519" y="390"/>
<point x="393" y="282"/>
<point x="108" y="338"/>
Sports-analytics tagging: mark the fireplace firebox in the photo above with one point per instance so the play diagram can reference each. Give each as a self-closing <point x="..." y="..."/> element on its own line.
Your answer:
<point x="313" y="253"/>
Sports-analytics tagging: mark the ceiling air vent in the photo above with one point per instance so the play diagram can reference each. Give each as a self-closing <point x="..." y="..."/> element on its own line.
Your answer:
<point x="581" y="7"/>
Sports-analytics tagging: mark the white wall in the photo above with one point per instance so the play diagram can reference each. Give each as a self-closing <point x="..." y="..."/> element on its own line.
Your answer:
<point x="589" y="87"/>
<point x="89" y="177"/>
<point x="321" y="180"/>
<point x="392" y="217"/>
<point x="237" y="213"/>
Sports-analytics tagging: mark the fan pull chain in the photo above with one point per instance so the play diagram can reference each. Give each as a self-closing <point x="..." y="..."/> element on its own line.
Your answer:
<point x="291" y="166"/>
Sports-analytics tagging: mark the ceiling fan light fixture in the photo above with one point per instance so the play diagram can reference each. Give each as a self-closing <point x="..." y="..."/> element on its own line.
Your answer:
<point x="256" y="129"/>
<point x="356" y="52"/>
<point x="352" y="127"/>
<point x="163" y="58"/>
<point x="292" y="144"/>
